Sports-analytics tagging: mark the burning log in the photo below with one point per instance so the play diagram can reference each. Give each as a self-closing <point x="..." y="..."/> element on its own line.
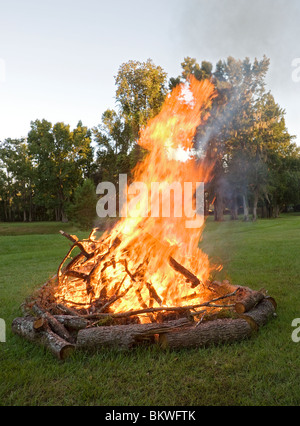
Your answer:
<point x="71" y="238"/>
<point x="123" y="336"/>
<point x="185" y="272"/>
<point x="222" y="288"/>
<point x="26" y="328"/>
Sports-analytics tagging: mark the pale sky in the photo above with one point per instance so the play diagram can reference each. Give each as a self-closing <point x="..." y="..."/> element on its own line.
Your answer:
<point x="58" y="59"/>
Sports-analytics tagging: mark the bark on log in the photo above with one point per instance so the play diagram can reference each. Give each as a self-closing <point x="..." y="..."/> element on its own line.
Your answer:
<point x="123" y="336"/>
<point x="222" y="288"/>
<point x="249" y="302"/>
<point x="262" y="312"/>
<point x="209" y="333"/>
<point x="55" y="325"/>
<point x="24" y="327"/>
<point x="72" y="322"/>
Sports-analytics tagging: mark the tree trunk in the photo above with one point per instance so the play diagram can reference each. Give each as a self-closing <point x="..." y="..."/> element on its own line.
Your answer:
<point x="276" y="211"/>
<point x="246" y="208"/>
<point x="234" y="207"/>
<point x="255" y="202"/>
<point x="30" y="205"/>
<point x="219" y="207"/>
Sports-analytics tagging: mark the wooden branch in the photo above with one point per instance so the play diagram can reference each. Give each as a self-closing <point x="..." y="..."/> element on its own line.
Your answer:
<point x="71" y="238"/>
<point x="153" y="294"/>
<point x="67" y="311"/>
<point x="159" y="309"/>
<point x="77" y="243"/>
<point x="55" y="325"/>
<point x="24" y="327"/>
<point x="72" y="322"/>
<point x="77" y="274"/>
<point x="185" y="272"/>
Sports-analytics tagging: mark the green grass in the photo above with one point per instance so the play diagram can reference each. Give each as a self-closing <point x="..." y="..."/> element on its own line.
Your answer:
<point x="264" y="370"/>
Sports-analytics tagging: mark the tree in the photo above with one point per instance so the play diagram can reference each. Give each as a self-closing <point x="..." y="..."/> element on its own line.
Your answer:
<point x="190" y="66"/>
<point x="16" y="176"/>
<point x="61" y="160"/>
<point x="83" y="209"/>
<point x="141" y="91"/>
<point x="229" y="132"/>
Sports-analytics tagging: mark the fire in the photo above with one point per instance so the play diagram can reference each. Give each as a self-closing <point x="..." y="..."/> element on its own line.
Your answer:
<point x="150" y="260"/>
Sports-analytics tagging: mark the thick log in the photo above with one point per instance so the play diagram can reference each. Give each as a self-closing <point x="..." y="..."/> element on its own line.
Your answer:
<point x="25" y="327"/>
<point x="55" y="325"/>
<point x="72" y="322"/>
<point x="39" y="323"/>
<point x="208" y="333"/>
<point x="224" y="287"/>
<point x="249" y="302"/>
<point x="262" y="313"/>
<point x="123" y="336"/>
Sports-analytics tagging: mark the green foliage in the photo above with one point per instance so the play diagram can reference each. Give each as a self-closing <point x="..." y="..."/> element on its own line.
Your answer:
<point x="83" y="209"/>
<point x="245" y="136"/>
<point x="61" y="159"/>
<point x="140" y="92"/>
<point x="255" y="159"/>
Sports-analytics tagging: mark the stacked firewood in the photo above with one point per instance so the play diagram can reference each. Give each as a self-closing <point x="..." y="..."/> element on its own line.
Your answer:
<point x="230" y="313"/>
<point x="178" y="327"/>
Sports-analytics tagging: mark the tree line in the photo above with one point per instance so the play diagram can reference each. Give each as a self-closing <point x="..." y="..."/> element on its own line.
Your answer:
<point x="53" y="172"/>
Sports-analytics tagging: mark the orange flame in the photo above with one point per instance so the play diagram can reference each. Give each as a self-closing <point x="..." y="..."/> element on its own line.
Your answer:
<point x="133" y="261"/>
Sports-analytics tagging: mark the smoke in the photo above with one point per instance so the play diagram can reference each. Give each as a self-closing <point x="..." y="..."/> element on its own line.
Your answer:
<point x="216" y="29"/>
<point x="243" y="27"/>
<point x="220" y="120"/>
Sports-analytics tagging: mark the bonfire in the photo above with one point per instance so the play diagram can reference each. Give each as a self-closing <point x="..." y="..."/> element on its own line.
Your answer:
<point x="146" y="281"/>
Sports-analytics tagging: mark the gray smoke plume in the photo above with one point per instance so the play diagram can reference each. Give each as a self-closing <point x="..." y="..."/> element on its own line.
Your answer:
<point x="216" y="29"/>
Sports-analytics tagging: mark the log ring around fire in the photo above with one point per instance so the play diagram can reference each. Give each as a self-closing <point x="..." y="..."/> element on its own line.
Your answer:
<point x="62" y="334"/>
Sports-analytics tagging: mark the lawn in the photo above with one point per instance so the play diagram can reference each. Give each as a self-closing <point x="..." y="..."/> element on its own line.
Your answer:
<point x="264" y="370"/>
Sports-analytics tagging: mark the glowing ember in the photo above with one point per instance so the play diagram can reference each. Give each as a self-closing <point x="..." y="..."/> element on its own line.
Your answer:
<point x="151" y="260"/>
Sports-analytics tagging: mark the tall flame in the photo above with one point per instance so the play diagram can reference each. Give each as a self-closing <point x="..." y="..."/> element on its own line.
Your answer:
<point x="133" y="260"/>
